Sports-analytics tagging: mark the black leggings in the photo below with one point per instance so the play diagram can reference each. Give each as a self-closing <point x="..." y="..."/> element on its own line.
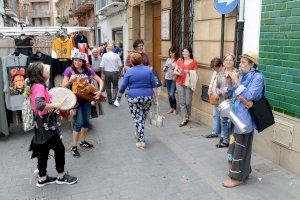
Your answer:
<point x="57" y="146"/>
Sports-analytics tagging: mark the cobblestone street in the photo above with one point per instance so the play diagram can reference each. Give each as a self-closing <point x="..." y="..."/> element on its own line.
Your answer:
<point x="178" y="164"/>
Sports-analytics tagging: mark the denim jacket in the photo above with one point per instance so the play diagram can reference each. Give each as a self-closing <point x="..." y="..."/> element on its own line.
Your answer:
<point x="252" y="89"/>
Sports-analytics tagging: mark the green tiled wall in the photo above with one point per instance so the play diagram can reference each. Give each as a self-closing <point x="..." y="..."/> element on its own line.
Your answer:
<point x="280" y="54"/>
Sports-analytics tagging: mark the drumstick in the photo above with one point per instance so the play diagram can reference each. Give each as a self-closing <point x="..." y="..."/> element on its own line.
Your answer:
<point x="61" y="103"/>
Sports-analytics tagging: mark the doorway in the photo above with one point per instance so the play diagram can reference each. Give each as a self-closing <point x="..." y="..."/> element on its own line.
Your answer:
<point x="156" y="40"/>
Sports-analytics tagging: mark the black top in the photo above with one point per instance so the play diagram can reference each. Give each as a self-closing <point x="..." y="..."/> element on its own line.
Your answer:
<point x="40" y="57"/>
<point x="24" y="42"/>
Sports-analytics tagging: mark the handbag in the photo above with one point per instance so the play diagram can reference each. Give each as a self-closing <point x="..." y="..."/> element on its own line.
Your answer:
<point x="155" y="118"/>
<point x="27" y="115"/>
<point x="262" y="114"/>
<point x="96" y="110"/>
<point x="213" y="100"/>
<point x="174" y="78"/>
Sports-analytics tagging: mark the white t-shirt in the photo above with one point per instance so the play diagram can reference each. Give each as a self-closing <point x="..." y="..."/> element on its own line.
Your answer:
<point x="111" y="62"/>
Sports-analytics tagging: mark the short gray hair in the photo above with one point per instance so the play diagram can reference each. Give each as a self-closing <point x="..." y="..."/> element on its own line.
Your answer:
<point x="229" y="54"/>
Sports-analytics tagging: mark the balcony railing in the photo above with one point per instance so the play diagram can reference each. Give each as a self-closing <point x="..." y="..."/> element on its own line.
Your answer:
<point x="78" y="3"/>
<point x="81" y="6"/>
<point x="40" y="13"/>
<point x="102" y="3"/>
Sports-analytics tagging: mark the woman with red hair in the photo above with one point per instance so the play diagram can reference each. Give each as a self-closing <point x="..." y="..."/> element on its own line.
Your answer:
<point x="142" y="90"/>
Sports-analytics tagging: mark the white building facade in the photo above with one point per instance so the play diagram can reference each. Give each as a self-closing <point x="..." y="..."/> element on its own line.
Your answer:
<point x="111" y="20"/>
<point x="2" y="13"/>
<point x="252" y="25"/>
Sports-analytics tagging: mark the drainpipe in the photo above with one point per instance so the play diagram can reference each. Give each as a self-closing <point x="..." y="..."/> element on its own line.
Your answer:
<point x="97" y="43"/>
<point x="238" y="47"/>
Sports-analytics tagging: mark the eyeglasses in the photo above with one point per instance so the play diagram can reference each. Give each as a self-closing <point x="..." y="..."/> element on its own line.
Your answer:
<point x="228" y="60"/>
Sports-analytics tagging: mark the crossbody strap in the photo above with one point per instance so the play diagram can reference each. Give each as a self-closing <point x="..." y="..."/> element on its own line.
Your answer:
<point x="252" y="80"/>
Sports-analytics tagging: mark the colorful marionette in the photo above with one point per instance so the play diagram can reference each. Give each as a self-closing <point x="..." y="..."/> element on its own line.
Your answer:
<point x="17" y="85"/>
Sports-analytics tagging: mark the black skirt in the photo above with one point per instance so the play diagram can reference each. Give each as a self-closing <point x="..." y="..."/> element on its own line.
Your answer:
<point x="46" y="128"/>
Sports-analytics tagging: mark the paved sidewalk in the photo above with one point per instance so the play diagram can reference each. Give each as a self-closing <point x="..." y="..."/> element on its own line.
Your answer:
<point x="179" y="164"/>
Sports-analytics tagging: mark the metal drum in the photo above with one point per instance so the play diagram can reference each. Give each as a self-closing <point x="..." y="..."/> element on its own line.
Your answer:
<point x="225" y="109"/>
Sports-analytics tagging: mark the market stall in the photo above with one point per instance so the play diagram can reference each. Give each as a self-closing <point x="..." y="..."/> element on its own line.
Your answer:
<point x="20" y="46"/>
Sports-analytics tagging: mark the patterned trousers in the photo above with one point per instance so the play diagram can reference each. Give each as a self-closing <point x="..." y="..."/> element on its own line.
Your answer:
<point x="139" y="108"/>
<point x="239" y="156"/>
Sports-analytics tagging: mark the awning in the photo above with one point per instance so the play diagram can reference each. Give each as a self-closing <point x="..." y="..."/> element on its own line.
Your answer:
<point x="111" y="8"/>
<point x="16" y="19"/>
<point x="11" y="31"/>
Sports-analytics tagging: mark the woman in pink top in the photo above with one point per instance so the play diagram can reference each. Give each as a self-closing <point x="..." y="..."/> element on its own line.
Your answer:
<point x="183" y="66"/>
<point x="46" y="133"/>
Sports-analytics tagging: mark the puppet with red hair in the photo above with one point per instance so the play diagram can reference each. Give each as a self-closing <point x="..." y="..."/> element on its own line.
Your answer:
<point x="17" y="85"/>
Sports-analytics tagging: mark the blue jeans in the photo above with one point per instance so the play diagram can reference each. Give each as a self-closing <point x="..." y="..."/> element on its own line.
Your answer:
<point x="82" y="116"/>
<point x="171" y="86"/>
<point x="225" y="125"/>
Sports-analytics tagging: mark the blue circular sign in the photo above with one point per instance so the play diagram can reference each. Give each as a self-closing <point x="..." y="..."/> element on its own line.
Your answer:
<point x="225" y="6"/>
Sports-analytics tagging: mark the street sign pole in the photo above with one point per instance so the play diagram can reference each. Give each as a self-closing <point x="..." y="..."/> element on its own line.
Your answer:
<point x="222" y="36"/>
<point x="224" y="7"/>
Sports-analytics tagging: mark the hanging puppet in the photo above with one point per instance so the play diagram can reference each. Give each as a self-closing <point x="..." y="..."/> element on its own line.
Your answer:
<point x="17" y="81"/>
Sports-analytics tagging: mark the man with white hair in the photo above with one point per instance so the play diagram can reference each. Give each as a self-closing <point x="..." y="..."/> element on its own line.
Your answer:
<point x="110" y="66"/>
<point x="96" y="61"/>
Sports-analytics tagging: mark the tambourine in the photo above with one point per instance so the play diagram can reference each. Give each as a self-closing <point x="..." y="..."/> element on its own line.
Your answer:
<point x="64" y="96"/>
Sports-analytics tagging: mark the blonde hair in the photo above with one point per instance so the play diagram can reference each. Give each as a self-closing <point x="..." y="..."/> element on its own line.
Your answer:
<point x="110" y="47"/>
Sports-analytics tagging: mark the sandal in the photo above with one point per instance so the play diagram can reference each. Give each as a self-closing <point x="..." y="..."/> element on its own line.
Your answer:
<point x="141" y="145"/>
<point x="222" y="145"/>
<point x="183" y="123"/>
<point x="211" y="136"/>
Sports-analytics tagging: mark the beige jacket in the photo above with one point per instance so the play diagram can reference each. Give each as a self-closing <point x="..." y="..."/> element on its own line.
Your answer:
<point x="191" y="79"/>
<point x="212" y="84"/>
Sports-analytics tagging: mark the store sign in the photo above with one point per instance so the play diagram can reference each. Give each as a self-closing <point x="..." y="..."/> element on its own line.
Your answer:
<point x="165" y="25"/>
<point x="225" y="6"/>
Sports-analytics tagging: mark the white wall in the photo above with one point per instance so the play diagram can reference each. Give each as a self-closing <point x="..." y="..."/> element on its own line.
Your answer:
<point x="252" y="25"/>
<point x="2" y="12"/>
<point x="111" y="22"/>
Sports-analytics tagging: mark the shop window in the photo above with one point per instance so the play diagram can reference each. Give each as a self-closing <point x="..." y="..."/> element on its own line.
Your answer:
<point x="117" y="34"/>
<point x="45" y="22"/>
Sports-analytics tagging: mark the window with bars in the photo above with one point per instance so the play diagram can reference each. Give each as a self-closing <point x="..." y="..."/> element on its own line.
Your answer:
<point x="182" y="25"/>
